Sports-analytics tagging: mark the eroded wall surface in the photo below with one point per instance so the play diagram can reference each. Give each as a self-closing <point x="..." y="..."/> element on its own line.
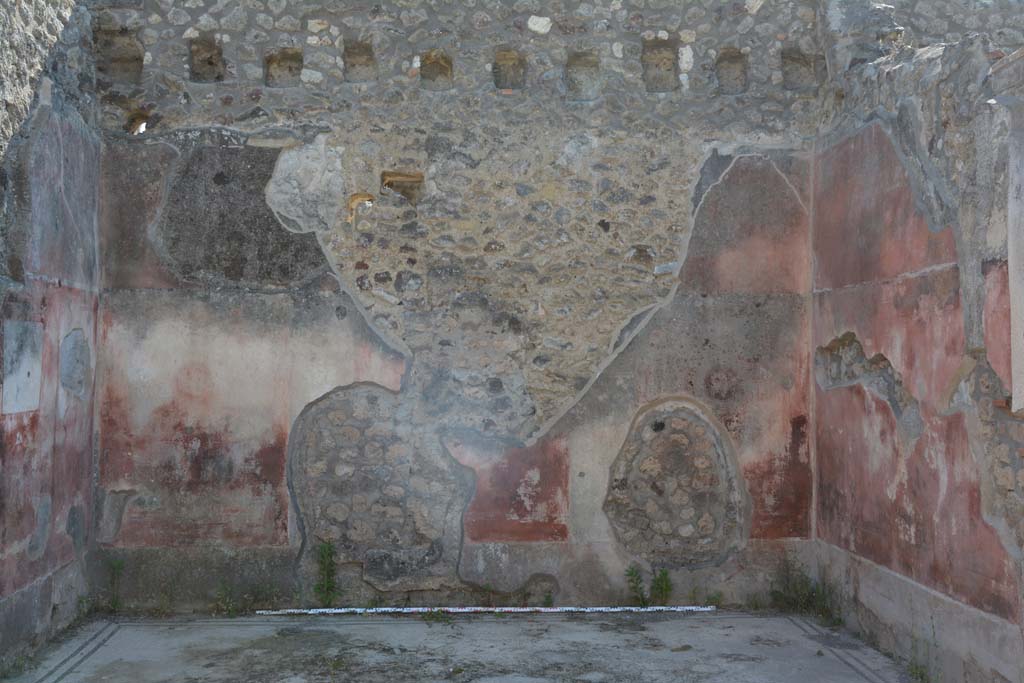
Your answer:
<point x="391" y="294"/>
<point x="29" y="31"/>
<point x="502" y="299"/>
<point x="48" y="305"/>
<point x="916" y="466"/>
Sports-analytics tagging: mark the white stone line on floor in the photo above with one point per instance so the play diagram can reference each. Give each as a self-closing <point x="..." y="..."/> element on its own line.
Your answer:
<point x="484" y="610"/>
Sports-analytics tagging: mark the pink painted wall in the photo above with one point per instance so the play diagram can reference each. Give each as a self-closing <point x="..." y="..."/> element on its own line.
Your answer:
<point x="905" y="500"/>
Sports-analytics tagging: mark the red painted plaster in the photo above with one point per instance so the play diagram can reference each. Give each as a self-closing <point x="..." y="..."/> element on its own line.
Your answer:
<point x="914" y="507"/>
<point x="522" y="495"/>
<point x="866" y="224"/>
<point x="997" y="320"/>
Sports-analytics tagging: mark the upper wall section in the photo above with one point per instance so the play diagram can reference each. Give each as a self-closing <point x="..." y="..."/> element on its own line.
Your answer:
<point x="947" y="21"/>
<point x="256" y="64"/>
<point x="27" y="32"/>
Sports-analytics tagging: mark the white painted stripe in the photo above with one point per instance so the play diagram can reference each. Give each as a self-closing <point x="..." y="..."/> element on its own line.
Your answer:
<point x="483" y="610"/>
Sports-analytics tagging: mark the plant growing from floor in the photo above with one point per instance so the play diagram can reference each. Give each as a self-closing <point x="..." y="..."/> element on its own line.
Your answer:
<point x="116" y="568"/>
<point x="326" y="586"/>
<point x="224" y="603"/>
<point x="488" y="595"/>
<point x="549" y="600"/>
<point x="918" y="672"/>
<point x="635" y="581"/>
<point x="437" y="617"/>
<point x="661" y="588"/>
<point x="793" y="590"/>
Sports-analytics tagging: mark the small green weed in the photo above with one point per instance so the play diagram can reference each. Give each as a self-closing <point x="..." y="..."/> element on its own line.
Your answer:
<point x="635" y="581"/>
<point x="549" y="600"/>
<point x="661" y="588"/>
<point x="437" y="617"/>
<point x="794" y="591"/>
<point x="225" y="603"/>
<point x="326" y="586"/>
<point x="918" y="673"/>
<point x="115" y="566"/>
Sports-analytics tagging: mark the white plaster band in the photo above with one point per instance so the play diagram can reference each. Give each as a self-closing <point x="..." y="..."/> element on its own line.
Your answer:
<point x="481" y="610"/>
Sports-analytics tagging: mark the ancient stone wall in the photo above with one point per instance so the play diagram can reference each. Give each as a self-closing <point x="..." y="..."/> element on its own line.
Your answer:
<point x="48" y="302"/>
<point x="928" y="22"/>
<point x="506" y="194"/>
<point x="501" y="298"/>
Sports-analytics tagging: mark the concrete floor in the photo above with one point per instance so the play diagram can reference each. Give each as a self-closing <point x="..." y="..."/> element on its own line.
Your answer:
<point x="726" y="647"/>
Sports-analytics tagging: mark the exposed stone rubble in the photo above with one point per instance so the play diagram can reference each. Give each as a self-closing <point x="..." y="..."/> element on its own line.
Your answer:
<point x="501" y="298"/>
<point x="368" y="482"/>
<point x="672" y="493"/>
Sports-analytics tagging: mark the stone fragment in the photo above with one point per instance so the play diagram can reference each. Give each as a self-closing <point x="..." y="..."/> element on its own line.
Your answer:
<point x="360" y="62"/>
<point x="660" y="65"/>
<point x="509" y="69"/>
<point x="206" y="60"/>
<point x="583" y="76"/>
<point x="283" y="68"/>
<point x="538" y="24"/>
<point x="436" y="72"/>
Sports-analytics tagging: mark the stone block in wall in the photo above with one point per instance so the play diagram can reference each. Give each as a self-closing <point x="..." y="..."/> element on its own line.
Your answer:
<point x="283" y="68"/>
<point x="360" y="62"/>
<point x="731" y="71"/>
<point x="800" y="71"/>
<point x="436" y="70"/>
<point x="206" y="60"/>
<point x="509" y="69"/>
<point x="119" y="56"/>
<point x="660" y="66"/>
<point x="583" y="76"/>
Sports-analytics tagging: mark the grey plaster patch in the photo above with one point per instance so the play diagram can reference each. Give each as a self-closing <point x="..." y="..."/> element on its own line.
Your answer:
<point x="306" y="191"/>
<point x="842" y="363"/>
<point x="213" y="232"/>
<point x="75" y="527"/>
<point x="43" y="509"/>
<point x="23" y="365"/>
<point x="76" y="363"/>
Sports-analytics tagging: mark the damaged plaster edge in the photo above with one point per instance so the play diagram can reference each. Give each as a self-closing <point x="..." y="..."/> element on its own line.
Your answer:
<point x="896" y="279"/>
<point x="618" y="345"/>
<point x="295" y="431"/>
<point x="390" y="341"/>
<point x="743" y="500"/>
<point x="919" y="175"/>
<point x="907" y="413"/>
<point x="961" y="401"/>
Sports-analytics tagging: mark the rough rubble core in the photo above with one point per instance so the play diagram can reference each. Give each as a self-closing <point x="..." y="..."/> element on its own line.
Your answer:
<point x="368" y="483"/>
<point x="500" y="299"/>
<point x="672" y="493"/>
